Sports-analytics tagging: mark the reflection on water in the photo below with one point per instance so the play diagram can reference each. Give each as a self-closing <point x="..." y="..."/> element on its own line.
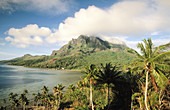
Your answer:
<point x="17" y="78"/>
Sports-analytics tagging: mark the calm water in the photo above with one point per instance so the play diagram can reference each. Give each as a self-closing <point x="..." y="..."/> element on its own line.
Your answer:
<point x="17" y="78"/>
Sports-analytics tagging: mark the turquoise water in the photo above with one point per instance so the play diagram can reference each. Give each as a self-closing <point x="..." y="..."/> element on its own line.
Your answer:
<point x="17" y="78"/>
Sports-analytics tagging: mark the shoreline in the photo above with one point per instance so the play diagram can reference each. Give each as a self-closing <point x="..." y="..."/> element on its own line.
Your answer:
<point x="44" y="68"/>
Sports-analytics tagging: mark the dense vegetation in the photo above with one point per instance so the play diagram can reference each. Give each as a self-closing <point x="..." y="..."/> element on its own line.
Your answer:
<point x="143" y="84"/>
<point x="77" y="54"/>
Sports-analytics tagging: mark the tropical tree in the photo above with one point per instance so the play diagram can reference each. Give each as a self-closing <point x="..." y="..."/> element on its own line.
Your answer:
<point x="33" y="94"/>
<point x="148" y="63"/>
<point x="58" y="90"/>
<point x="108" y="74"/>
<point x="13" y="100"/>
<point x="71" y="87"/>
<point x="45" y="90"/>
<point x="44" y="96"/>
<point x="4" y="105"/>
<point x="90" y="74"/>
<point x="38" y="98"/>
<point x="23" y="99"/>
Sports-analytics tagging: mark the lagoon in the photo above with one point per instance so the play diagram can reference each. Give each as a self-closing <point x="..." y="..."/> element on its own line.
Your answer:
<point x="17" y="78"/>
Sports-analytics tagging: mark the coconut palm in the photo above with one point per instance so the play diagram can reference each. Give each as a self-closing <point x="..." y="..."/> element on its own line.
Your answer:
<point x="4" y="104"/>
<point x="25" y="91"/>
<point x="90" y="74"/>
<point x="13" y="100"/>
<point x="38" y="98"/>
<point x="34" y="98"/>
<point x="107" y="75"/>
<point x="45" y="90"/>
<point x="148" y="63"/>
<point x="51" y="100"/>
<point x="71" y="88"/>
<point x="23" y="99"/>
<point x="79" y="84"/>
<point x="58" y="90"/>
<point x="44" y="96"/>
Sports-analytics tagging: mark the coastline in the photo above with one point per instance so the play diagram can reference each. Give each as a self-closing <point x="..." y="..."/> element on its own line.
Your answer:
<point x="45" y="68"/>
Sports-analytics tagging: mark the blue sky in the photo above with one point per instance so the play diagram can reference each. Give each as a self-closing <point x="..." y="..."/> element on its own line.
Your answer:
<point x="39" y="26"/>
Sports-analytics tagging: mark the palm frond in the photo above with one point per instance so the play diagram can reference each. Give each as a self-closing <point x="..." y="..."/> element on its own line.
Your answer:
<point x="150" y="44"/>
<point x="161" y="56"/>
<point x="142" y="49"/>
<point x="161" y="79"/>
<point x="159" y="48"/>
<point x="164" y="67"/>
<point x="164" y="46"/>
<point x="146" y="48"/>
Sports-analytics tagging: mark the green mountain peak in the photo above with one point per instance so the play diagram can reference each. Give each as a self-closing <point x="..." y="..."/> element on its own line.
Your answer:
<point x="87" y="44"/>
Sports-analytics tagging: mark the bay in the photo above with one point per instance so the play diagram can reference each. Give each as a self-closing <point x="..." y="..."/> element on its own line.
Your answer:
<point x="17" y="78"/>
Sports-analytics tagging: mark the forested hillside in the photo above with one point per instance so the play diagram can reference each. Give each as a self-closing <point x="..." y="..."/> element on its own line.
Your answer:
<point x="77" y="54"/>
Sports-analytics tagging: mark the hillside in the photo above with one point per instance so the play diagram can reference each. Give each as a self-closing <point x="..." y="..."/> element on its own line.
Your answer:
<point x="78" y="53"/>
<point x="84" y="44"/>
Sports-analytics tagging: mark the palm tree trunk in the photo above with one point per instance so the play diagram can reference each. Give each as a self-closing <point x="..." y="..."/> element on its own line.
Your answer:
<point x="108" y="99"/>
<point x="153" y="82"/>
<point x="37" y="102"/>
<point x="59" y="99"/>
<point x="146" y="90"/>
<point x="106" y="94"/>
<point x="91" y="96"/>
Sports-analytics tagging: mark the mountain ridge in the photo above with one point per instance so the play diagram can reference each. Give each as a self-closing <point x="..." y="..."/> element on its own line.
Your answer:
<point x="77" y="54"/>
<point x="85" y="44"/>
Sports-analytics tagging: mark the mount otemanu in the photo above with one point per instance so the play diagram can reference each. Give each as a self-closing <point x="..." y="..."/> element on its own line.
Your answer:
<point x="77" y="54"/>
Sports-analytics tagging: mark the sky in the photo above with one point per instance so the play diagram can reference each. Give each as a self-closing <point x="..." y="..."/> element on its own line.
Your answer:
<point x="38" y="27"/>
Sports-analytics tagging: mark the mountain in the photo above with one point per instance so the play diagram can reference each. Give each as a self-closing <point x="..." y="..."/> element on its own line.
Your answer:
<point x="77" y="54"/>
<point x="84" y="44"/>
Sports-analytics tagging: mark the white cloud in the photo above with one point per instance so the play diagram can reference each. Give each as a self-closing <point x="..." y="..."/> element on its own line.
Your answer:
<point x="158" y="42"/>
<point x="31" y="34"/>
<point x="125" y="18"/>
<point x="45" y="6"/>
<point x="155" y="33"/>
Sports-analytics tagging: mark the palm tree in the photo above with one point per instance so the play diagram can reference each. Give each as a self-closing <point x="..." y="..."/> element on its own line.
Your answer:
<point x="25" y="91"/>
<point x="45" y="95"/>
<point x="71" y="87"/>
<point x="90" y="74"/>
<point x="107" y="75"/>
<point x="58" y="90"/>
<point x="80" y="84"/>
<point x="148" y="60"/>
<point x="4" y="104"/>
<point x="13" y="100"/>
<point x="38" y="97"/>
<point x="45" y="90"/>
<point x="33" y="94"/>
<point x="23" y="99"/>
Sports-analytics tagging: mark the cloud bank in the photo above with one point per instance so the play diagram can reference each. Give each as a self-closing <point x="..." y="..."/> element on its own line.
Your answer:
<point x="44" y="6"/>
<point x="130" y="18"/>
<point x="126" y="18"/>
<point x="29" y="35"/>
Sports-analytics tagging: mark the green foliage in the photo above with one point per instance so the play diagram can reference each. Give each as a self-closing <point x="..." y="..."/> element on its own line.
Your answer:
<point x="76" y="61"/>
<point x="150" y="62"/>
<point x="115" y="88"/>
<point x="78" y="54"/>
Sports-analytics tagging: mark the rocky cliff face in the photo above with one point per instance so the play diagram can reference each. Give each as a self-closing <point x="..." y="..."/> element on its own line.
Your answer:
<point x="84" y="44"/>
